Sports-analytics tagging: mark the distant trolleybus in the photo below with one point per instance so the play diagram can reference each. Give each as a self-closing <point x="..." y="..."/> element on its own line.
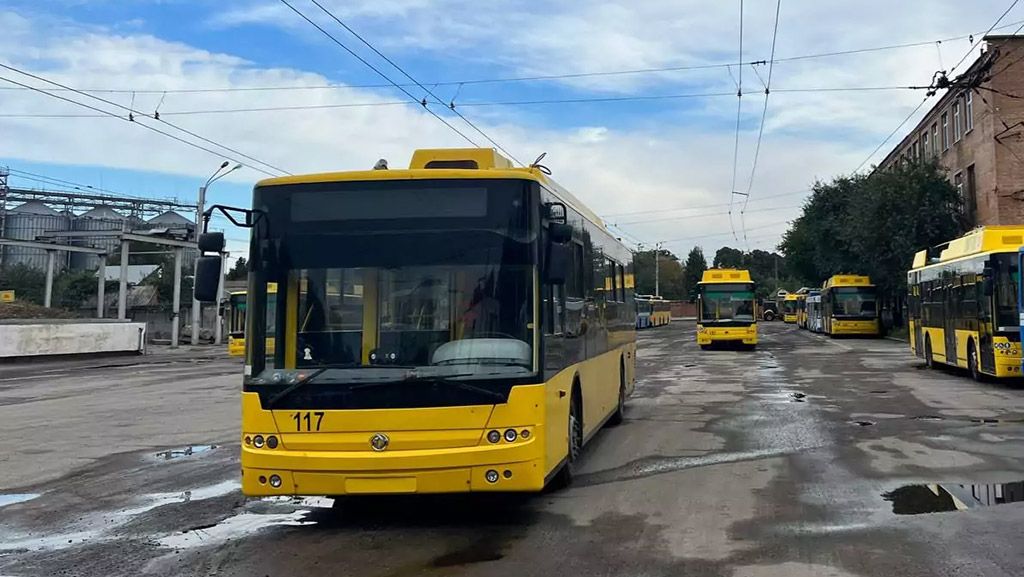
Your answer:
<point x="962" y="302"/>
<point x="849" y="306"/>
<point x="658" y="311"/>
<point x="725" y="308"/>
<point x="235" y="320"/>
<point x="814" y="320"/>
<point x="458" y="326"/>
<point x="789" y="308"/>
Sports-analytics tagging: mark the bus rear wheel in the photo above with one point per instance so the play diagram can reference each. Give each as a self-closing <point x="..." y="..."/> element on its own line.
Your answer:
<point x="928" y="362"/>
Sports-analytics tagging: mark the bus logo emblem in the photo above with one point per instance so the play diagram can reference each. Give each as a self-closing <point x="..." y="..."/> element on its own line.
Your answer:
<point x="379" y="442"/>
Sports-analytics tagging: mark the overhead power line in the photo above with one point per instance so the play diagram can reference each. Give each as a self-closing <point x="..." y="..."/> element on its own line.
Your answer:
<point x="664" y="210"/>
<point x="701" y="215"/>
<point x="377" y="71"/>
<point x="982" y="37"/>
<point x="760" y="129"/>
<point x="119" y="117"/>
<point x="42" y="178"/>
<point x="736" y="144"/>
<point x="451" y="105"/>
<point x="471" y="104"/>
<point x="131" y="118"/>
<point x="541" y="77"/>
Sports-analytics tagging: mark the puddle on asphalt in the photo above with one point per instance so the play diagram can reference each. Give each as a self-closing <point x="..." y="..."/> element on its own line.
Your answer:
<point x="928" y="418"/>
<point x="258" y="514"/>
<point x="185" y="452"/>
<point x="110" y="521"/>
<point x="12" y="498"/>
<point x="938" y="498"/>
<point x="863" y="423"/>
<point x="477" y="553"/>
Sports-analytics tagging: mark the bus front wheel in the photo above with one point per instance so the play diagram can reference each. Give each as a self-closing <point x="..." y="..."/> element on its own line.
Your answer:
<point x="620" y="409"/>
<point x="575" y="432"/>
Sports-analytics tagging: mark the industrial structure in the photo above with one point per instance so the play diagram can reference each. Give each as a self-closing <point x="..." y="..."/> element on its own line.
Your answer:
<point x="58" y="230"/>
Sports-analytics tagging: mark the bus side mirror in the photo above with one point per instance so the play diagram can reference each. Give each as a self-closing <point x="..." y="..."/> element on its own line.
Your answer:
<point x="557" y="264"/>
<point x="559" y="233"/>
<point x="207" y="280"/>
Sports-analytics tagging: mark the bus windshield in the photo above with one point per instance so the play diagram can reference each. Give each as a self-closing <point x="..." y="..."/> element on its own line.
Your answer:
<point x="789" y="307"/>
<point x="727" y="302"/>
<point x="446" y="293"/>
<point x="853" y="302"/>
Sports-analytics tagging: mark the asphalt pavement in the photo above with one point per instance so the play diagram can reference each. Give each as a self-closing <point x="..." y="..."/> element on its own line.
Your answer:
<point x="806" y="457"/>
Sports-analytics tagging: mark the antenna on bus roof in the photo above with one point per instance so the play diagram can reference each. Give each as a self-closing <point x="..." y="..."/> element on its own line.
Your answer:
<point x="536" y="164"/>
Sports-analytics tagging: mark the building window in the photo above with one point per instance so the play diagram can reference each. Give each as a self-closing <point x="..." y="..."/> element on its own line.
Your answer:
<point x="956" y="121"/>
<point x="958" y="183"/>
<point x="915" y="151"/>
<point x="935" y="139"/>
<point x="969" y="111"/>
<point x="945" y="131"/>
<point x="971" y="200"/>
<point x="925" y="149"/>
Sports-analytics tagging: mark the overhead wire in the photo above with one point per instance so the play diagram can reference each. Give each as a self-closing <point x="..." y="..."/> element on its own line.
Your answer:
<point x="982" y="37"/>
<point x="119" y="117"/>
<point x="42" y="178"/>
<point x="541" y="77"/>
<point x="378" y="71"/>
<point x="760" y="129"/>
<point x="131" y="118"/>
<point x="451" y="105"/>
<point x="736" y="144"/>
<point x="716" y="205"/>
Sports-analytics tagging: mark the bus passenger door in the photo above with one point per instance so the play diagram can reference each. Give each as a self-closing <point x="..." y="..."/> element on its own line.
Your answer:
<point x="986" y="318"/>
<point x="949" y="322"/>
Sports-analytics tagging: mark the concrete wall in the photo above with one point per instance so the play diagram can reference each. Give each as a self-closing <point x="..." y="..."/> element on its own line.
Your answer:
<point x="69" y="337"/>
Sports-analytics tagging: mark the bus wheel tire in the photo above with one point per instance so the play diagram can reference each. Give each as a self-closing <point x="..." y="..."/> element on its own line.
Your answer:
<point x="575" y="424"/>
<point x="620" y="410"/>
<point x="972" y="363"/>
<point x="928" y="362"/>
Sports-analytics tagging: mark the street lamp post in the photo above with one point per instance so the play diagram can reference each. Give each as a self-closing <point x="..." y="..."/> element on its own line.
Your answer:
<point x="657" y="270"/>
<point x="200" y="206"/>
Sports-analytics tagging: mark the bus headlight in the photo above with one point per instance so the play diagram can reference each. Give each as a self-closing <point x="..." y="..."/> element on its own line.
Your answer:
<point x="491" y="476"/>
<point x="275" y="481"/>
<point x="510" y="435"/>
<point x="493" y="436"/>
<point x="271" y="442"/>
<point x="257" y="441"/>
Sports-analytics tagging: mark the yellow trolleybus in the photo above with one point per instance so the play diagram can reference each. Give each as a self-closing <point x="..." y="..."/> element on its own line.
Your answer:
<point x="849" y="306"/>
<point x="725" y="308"/>
<point x="461" y="325"/>
<point x="789" y="308"/>
<point x="962" y="302"/>
<point x="658" y="310"/>
<point x="235" y="318"/>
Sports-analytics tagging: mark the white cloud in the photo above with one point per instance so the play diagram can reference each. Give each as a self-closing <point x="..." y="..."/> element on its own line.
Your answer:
<point x="646" y="166"/>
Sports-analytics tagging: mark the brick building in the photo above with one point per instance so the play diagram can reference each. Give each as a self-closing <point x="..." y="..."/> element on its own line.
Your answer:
<point x="976" y="130"/>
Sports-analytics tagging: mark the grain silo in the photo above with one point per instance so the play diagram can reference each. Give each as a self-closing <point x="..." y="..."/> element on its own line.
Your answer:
<point x="97" y="219"/>
<point x="27" y="222"/>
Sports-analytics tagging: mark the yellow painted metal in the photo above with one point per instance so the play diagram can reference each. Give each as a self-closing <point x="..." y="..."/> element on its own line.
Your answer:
<point x="707" y="335"/>
<point x="725" y="275"/>
<point x="371" y="289"/>
<point x="291" y="320"/>
<point x="845" y="280"/>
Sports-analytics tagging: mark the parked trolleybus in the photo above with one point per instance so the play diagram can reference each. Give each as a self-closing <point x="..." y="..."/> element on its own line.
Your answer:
<point x="801" y="307"/>
<point x="849" y="306"/>
<point x="652" y="311"/>
<point x="490" y="334"/>
<point x="725" y="308"/>
<point x="815" y="324"/>
<point x="235" y="319"/>
<point x="789" y="308"/>
<point x="963" y="302"/>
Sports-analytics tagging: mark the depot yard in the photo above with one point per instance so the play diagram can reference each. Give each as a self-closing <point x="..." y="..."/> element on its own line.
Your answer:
<point x="807" y="456"/>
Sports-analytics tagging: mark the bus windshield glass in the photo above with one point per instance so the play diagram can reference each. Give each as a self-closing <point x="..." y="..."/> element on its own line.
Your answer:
<point x="789" y="307"/>
<point x="727" y="302"/>
<point x="446" y="294"/>
<point x="1007" y="279"/>
<point x="853" y="302"/>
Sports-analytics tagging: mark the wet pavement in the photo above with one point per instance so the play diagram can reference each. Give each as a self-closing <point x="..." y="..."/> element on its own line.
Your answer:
<point x="807" y="457"/>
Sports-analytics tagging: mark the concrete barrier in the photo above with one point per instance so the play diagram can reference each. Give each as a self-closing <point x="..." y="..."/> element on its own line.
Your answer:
<point x="33" y="338"/>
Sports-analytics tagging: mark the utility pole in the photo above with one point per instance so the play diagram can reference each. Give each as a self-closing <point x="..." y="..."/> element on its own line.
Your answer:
<point x="657" y="270"/>
<point x="200" y="206"/>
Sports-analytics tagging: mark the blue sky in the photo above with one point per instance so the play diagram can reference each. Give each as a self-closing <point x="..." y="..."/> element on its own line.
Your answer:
<point x="619" y="157"/>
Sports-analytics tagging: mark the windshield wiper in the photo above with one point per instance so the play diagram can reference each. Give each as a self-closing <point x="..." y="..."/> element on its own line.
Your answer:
<point x="294" y="387"/>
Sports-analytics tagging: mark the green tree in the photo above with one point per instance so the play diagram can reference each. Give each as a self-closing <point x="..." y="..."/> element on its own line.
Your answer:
<point x="694" y="269"/>
<point x="873" y="225"/>
<point x="670" y="274"/>
<point x="239" y="271"/>
<point x="163" y="279"/>
<point x="728" y="257"/>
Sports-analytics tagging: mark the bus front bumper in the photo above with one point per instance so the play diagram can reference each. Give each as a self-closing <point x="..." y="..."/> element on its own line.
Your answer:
<point x="518" y="467"/>
<point x="869" y="327"/>
<point x="708" y="335"/>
